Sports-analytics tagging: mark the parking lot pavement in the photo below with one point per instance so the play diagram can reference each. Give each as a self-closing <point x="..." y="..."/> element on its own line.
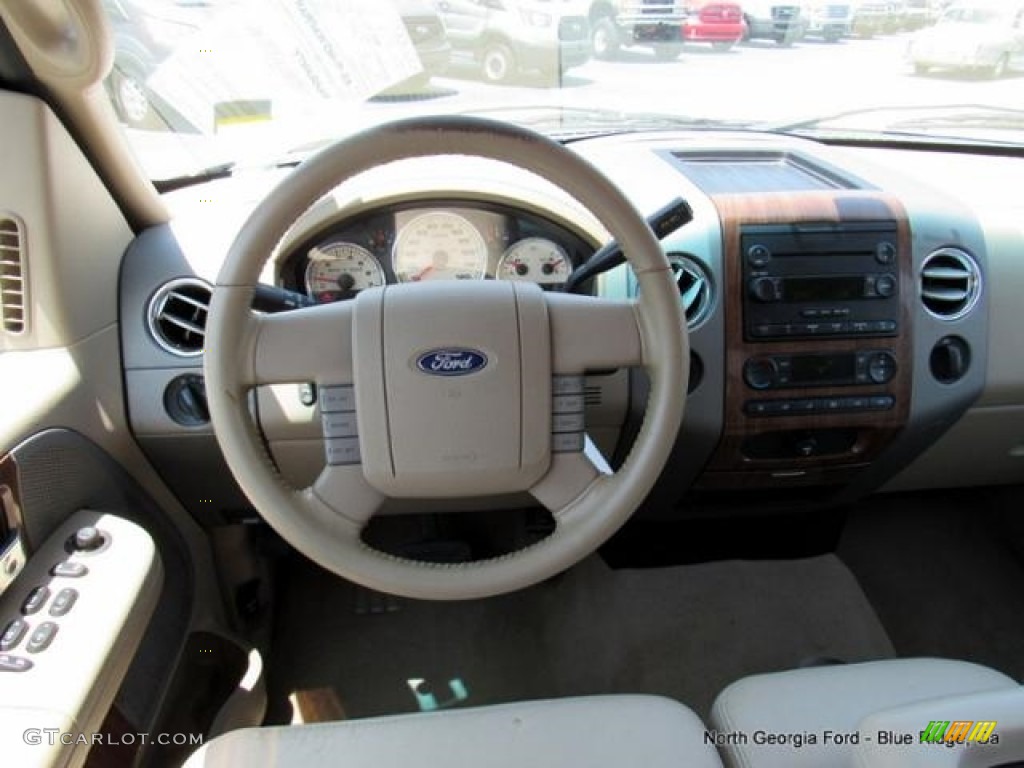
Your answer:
<point x="758" y="81"/>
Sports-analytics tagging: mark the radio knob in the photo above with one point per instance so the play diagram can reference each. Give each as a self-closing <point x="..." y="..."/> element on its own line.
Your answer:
<point x="881" y="367"/>
<point x="885" y="286"/>
<point x="885" y="253"/>
<point x="764" y="289"/>
<point x="760" y="372"/>
<point x="758" y="256"/>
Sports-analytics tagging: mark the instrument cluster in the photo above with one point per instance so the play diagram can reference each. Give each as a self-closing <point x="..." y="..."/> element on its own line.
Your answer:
<point x="416" y="242"/>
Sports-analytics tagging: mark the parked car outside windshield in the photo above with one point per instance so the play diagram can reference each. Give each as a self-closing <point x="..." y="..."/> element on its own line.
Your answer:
<point x="203" y="84"/>
<point x="986" y="39"/>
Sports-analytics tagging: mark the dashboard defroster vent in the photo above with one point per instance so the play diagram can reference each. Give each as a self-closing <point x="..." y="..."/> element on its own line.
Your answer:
<point x="177" y="316"/>
<point x="12" y="275"/>
<point x="950" y="283"/>
<point x="695" y="288"/>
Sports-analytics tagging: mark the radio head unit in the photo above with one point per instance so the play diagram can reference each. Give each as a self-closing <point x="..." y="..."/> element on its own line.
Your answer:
<point x="820" y="280"/>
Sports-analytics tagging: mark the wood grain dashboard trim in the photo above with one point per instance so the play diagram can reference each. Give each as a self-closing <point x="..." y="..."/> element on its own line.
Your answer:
<point x="875" y="429"/>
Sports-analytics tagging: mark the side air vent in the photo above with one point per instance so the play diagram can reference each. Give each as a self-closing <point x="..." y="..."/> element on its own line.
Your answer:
<point x="695" y="287"/>
<point x="177" y="316"/>
<point x="12" y="275"/>
<point x="950" y="283"/>
<point x="593" y="395"/>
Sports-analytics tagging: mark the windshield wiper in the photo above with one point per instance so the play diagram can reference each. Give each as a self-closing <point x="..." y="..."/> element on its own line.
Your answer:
<point x="214" y="172"/>
<point x="569" y="124"/>
<point x="225" y="170"/>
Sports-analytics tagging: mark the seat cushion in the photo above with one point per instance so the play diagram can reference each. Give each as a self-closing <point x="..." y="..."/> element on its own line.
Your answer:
<point x="591" y="732"/>
<point x="804" y="717"/>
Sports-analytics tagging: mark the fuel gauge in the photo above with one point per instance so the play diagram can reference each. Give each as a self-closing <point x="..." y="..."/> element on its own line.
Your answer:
<point x="535" y="259"/>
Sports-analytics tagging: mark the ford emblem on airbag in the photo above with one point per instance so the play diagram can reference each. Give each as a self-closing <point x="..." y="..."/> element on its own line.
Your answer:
<point x="455" y="361"/>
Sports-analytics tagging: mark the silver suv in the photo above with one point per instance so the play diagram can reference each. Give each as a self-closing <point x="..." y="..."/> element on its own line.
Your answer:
<point x="510" y="37"/>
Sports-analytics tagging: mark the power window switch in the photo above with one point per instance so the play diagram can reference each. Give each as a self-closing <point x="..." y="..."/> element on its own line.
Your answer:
<point x="69" y="570"/>
<point x="12" y="634"/>
<point x="41" y="637"/>
<point x="35" y="601"/>
<point x="63" y="602"/>
<point x="9" y="663"/>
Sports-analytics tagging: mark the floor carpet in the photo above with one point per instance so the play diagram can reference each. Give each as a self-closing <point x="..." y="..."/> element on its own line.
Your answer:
<point x="942" y="574"/>
<point x="684" y="632"/>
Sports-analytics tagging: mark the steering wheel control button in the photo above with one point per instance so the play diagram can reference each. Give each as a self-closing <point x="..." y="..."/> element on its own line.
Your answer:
<point x="337" y="399"/>
<point x="343" y="451"/>
<point x="69" y="570"/>
<point x="567" y="404"/>
<point x="35" y="601"/>
<point x="568" y="422"/>
<point x="87" y="539"/>
<point x="340" y="425"/>
<point x="9" y="663"/>
<point x="567" y="442"/>
<point x="567" y="385"/>
<point x="63" y="602"/>
<point x="41" y="637"/>
<point x="12" y="634"/>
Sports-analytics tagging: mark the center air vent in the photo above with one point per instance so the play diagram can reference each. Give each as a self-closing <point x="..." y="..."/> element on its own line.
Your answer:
<point x="177" y="316"/>
<point x="950" y="283"/>
<point x="694" y="287"/>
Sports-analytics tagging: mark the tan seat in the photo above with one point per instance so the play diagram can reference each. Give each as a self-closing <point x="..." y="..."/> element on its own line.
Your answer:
<point x="812" y="717"/>
<point x="587" y="732"/>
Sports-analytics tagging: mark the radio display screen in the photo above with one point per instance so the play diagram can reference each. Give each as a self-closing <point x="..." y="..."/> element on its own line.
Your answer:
<point x="820" y="368"/>
<point x="844" y="288"/>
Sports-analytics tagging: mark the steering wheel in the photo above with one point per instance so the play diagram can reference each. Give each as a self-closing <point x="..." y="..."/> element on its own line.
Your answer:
<point x="446" y="388"/>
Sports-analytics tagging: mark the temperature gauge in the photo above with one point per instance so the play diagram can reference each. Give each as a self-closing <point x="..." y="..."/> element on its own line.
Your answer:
<point x="535" y="260"/>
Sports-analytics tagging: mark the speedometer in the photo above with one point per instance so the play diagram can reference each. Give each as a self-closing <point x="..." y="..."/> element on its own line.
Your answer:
<point x="535" y="259"/>
<point x="339" y="270"/>
<point x="439" y="246"/>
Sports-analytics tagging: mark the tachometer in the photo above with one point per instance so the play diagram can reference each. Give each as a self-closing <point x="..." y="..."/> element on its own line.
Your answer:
<point x="535" y="259"/>
<point x="340" y="270"/>
<point x="439" y="246"/>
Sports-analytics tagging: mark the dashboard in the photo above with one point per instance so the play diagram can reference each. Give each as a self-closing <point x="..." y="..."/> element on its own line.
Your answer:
<point x="436" y="240"/>
<point x="840" y="307"/>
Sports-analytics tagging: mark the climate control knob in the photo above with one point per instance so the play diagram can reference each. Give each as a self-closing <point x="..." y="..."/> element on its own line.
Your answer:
<point x="881" y="367"/>
<point x="761" y="373"/>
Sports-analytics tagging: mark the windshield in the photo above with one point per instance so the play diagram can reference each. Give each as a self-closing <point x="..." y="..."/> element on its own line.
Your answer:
<point x="201" y="85"/>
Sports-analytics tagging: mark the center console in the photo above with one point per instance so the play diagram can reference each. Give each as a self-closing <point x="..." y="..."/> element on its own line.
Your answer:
<point x="818" y="335"/>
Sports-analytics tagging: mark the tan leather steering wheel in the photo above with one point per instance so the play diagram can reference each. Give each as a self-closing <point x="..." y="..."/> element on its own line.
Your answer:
<point x="449" y="388"/>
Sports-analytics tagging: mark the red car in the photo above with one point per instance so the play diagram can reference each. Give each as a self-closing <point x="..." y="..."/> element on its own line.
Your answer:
<point x="715" y="22"/>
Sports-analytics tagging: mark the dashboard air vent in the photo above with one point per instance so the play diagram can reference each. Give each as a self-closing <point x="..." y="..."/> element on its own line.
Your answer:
<point x="177" y="316"/>
<point x="12" y="275"/>
<point x="950" y="283"/>
<point x="694" y="287"/>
